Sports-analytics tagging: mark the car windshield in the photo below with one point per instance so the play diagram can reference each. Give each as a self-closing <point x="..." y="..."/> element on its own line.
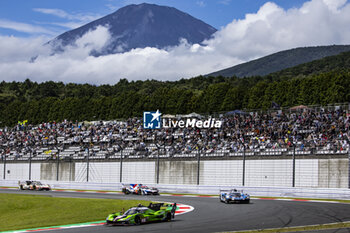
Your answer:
<point x="38" y="183"/>
<point x="235" y="193"/>
<point x="131" y="212"/>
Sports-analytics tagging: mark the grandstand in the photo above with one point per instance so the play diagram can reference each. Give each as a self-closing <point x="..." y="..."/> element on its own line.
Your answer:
<point x="305" y="132"/>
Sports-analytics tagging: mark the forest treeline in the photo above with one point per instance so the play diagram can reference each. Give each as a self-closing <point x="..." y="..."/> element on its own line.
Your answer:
<point x="56" y="101"/>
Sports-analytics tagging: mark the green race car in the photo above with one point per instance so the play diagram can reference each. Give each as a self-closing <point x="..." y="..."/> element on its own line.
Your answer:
<point x="155" y="212"/>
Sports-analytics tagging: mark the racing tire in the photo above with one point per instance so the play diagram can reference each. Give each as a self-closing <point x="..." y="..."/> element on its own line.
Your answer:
<point x="227" y="201"/>
<point x="21" y="187"/>
<point x="137" y="220"/>
<point x="34" y="187"/>
<point x="168" y="217"/>
<point x="247" y="201"/>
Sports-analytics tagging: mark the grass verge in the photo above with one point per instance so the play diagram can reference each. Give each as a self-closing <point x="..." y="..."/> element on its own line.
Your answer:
<point x="29" y="211"/>
<point x="299" y="229"/>
<point x="301" y="199"/>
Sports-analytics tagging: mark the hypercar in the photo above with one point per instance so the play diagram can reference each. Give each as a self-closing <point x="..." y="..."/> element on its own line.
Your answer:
<point x="145" y="190"/>
<point x="132" y="189"/>
<point x="155" y="212"/>
<point x="139" y="189"/>
<point x="33" y="185"/>
<point x="234" y="196"/>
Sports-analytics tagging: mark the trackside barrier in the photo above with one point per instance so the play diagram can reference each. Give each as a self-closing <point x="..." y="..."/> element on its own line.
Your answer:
<point x="325" y="193"/>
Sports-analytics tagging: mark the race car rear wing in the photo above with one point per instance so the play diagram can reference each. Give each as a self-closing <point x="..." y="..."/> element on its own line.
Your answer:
<point x="225" y="190"/>
<point x="157" y="206"/>
<point x="230" y="190"/>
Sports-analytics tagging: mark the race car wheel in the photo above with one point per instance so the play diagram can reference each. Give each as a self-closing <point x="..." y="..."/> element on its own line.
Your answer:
<point x="168" y="217"/>
<point x="21" y="187"/>
<point x="226" y="201"/>
<point x="34" y="187"/>
<point x="137" y="220"/>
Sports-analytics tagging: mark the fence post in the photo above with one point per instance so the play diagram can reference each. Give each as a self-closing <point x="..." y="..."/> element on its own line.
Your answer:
<point x="4" y="166"/>
<point x="349" y="167"/>
<point x="158" y="165"/>
<point x="293" y="184"/>
<point x="121" y="165"/>
<point x="87" y="164"/>
<point x="58" y="164"/>
<point x="30" y="165"/>
<point x="198" y="165"/>
<point x="243" y="175"/>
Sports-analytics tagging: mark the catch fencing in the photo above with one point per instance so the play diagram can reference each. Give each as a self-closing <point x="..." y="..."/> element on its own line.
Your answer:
<point x="268" y="168"/>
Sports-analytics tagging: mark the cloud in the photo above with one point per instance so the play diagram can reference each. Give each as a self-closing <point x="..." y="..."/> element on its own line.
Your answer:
<point x="68" y="25"/>
<point x="24" y="27"/>
<point x="334" y="5"/>
<point x="201" y="3"/>
<point x="75" y="20"/>
<point x="111" y="7"/>
<point x="13" y="49"/>
<point x="271" y="29"/>
<point x="86" y="17"/>
<point x="225" y="2"/>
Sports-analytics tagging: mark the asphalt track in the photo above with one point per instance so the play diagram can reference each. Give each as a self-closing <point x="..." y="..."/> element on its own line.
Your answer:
<point x="210" y="215"/>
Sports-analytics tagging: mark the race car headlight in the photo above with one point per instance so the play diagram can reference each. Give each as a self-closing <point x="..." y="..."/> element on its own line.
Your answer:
<point x="227" y="196"/>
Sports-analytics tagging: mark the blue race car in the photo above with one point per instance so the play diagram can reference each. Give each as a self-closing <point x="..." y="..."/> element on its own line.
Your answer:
<point x="234" y="196"/>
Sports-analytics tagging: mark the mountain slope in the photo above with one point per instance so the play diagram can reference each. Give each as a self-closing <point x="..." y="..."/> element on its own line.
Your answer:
<point x="281" y="60"/>
<point x="143" y="25"/>
<point x="332" y="63"/>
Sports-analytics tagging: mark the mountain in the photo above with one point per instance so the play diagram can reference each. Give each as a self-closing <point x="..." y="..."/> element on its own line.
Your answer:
<point x="140" y="26"/>
<point x="281" y="60"/>
<point x="338" y="62"/>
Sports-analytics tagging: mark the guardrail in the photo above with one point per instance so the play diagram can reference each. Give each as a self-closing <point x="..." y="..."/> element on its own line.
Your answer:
<point x="204" y="189"/>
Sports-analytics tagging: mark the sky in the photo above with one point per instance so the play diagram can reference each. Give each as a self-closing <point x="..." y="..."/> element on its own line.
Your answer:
<point x="247" y="29"/>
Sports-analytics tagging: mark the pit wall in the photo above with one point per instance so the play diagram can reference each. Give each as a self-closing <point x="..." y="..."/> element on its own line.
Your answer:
<point x="309" y="173"/>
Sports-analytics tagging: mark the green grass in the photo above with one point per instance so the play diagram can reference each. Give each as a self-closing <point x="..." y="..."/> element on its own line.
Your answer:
<point x="29" y="211"/>
<point x="312" y="199"/>
<point x="299" y="229"/>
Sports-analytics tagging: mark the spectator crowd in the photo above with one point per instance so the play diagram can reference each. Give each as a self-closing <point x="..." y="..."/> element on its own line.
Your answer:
<point x="305" y="130"/>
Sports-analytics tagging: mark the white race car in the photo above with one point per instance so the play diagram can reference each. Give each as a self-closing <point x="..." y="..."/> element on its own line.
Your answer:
<point x="33" y="185"/>
<point x="149" y="191"/>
